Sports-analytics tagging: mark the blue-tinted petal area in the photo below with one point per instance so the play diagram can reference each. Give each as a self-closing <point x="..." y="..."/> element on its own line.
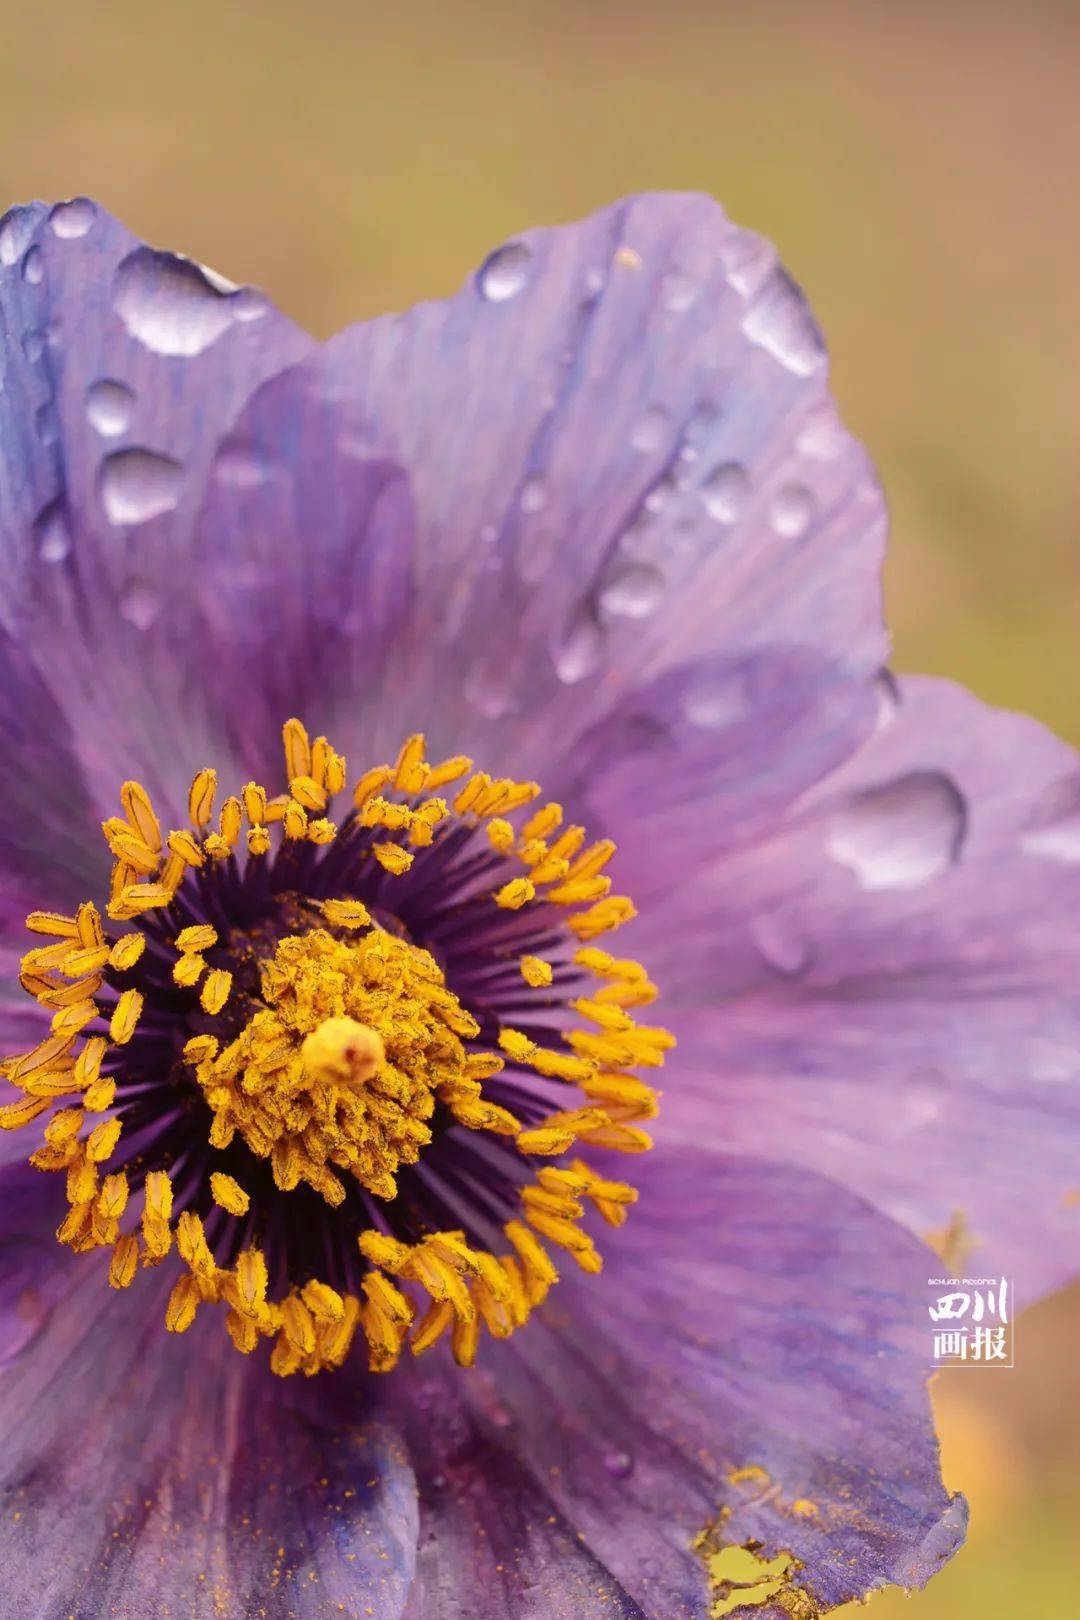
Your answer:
<point x="750" y="1367"/>
<point x="885" y="986"/>
<point x="124" y="368"/>
<point x="308" y="535"/>
<point x="51" y="851"/>
<point x="145" y="1474"/>
<point x="624" y="456"/>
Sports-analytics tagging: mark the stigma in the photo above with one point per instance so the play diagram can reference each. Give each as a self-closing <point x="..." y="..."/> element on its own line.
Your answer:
<point x="348" y="1056"/>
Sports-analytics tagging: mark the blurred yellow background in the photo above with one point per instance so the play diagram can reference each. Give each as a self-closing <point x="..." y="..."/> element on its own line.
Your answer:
<point x="916" y="164"/>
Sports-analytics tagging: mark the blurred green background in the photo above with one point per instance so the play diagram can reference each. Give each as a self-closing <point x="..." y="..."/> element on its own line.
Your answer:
<point x="917" y="166"/>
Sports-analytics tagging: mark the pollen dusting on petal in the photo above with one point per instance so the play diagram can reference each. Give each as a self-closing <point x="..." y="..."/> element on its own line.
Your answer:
<point x="332" y="1068"/>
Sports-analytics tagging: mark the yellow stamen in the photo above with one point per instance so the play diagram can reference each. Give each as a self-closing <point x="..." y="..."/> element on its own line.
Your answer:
<point x="340" y="1050"/>
<point x="535" y="971"/>
<point x="515" y="894"/>
<point x="392" y="858"/>
<point x="228" y="1194"/>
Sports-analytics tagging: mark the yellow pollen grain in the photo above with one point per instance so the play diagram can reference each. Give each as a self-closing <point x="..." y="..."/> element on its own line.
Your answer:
<point x="258" y="841"/>
<point x="297" y="749"/>
<point x="228" y="1194"/>
<point x="535" y="971"/>
<point x="198" y="938"/>
<point x="201" y="798"/>
<point x="346" y="913"/>
<point x="410" y="771"/>
<point x="515" y="894"/>
<point x="126" y="952"/>
<point x="370" y="783"/>
<point x="215" y="990"/>
<point x="392" y="858"/>
<point x="125" y="1017"/>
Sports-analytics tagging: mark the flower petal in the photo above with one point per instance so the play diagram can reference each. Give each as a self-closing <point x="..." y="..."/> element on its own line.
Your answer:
<point x="125" y="367"/>
<point x="886" y="987"/>
<point x="704" y="759"/>
<point x="142" y="1473"/>
<point x="623" y="456"/>
<point x="750" y="1366"/>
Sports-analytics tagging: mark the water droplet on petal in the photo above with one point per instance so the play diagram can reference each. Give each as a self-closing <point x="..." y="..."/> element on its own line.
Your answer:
<point x="678" y="291"/>
<point x="780" y="948"/>
<point x="73" y="219"/>
<point x="823" y="435"/>
<point x="108" y="407"/>
<point x="168" y="304"/>
<point x="888" y="696"/>
<point x="902" y="834"/>
<point x="249" y="304"/>
<point x="792" y="511"/>
<point x="719" y="701"/>
<point x="1056" y="836"/>
<point x="136" y="485"/>
<point x="533" y="496"/>
<point x="52" y="532"/>
<point x="487" y="689"/>
<point x="651" y="431"/>
<point x="33" y="345"/>
<point x="140" y="605"/>
<point x="48" y="428"/>
<point x="581" y="650"/>
<point x="725" y="493"/>
<point x="33" y="267"/>
<point x="779" y="320"/>
<point x="504" y="272"/>
<point x="618" y="1463"/>
<point x="633" y="592"/>
<point x="16" y="229"/>
<point x="240" y="468"/>
<point x="24" y="1312"/>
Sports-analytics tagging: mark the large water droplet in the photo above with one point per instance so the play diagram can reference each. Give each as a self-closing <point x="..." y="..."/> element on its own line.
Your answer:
<point x="488" y="690"/>
<point x="33" y="267"/>
<point x="792" y="511"/>
<point x="651" y="431"/>
<point x="718" y="700"/>
<point x="52" y="532"/>
<point x="902" y="834"/>
<point x="678" y="291"/>
<point x="581" y="650"/>
<point x="136" y="485"/>
<point x="240" y="467"/>
<point x="632" y="592"/>
<point x="16" y="229"/>
<point x="504" y="272"/>
<point x="780" y="947"/>
<point x="1057" y="835"/>
<point x="108" y="407"/>
<point x="780" y="321"/>
<point x="45" y="421"/>
<point x="169" y="304"/>
<point x="533" y="496"/>
<point x="823" y="435"/>
<point x="725" y="493"/>
<point x="73" y="219"/>
<point x="140" y="605"/>
<point x="620" y="1464"/>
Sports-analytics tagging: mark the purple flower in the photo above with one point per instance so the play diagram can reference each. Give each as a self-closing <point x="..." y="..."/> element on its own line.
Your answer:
<point x="338" y="1068"/>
